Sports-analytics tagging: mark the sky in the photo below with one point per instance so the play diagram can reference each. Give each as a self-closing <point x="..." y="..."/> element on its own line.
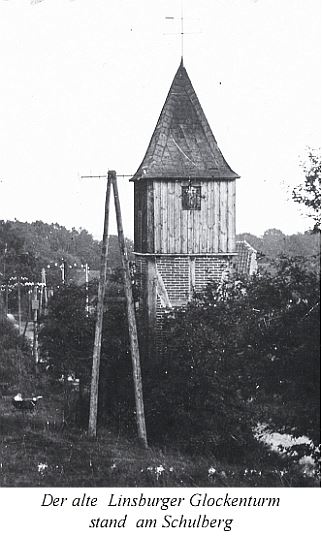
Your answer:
<point x="84" y="81"/>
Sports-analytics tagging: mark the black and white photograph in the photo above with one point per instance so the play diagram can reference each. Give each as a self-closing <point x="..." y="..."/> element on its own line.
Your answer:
<point x="160" y="196"/>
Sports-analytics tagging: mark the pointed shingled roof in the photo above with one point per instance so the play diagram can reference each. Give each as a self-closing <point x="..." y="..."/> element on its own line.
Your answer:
<point x="182" y="144"/>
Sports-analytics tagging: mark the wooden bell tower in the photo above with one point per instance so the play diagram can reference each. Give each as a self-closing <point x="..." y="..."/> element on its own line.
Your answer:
<point x="184" y="207"/>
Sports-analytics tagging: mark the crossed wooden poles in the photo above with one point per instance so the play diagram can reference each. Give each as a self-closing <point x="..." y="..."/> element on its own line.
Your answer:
<point x="134" y="344"/>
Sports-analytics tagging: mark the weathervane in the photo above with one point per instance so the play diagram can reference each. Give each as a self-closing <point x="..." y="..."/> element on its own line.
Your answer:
<point x="182" y="32"/>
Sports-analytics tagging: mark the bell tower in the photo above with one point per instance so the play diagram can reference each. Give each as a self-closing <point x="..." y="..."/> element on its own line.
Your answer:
<point x="184" y="207"/>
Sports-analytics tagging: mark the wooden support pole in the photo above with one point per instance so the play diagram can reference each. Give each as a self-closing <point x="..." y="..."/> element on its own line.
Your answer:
<point x="28" y="313"/>
<point x="44" y="281"/>
<point x="92" y="424"/>
<point x="1" y="308"/>
<point x="41" y="297"/>
<point x="19" y="303"/>
<point x="35" y="306"/>
<point x="86" y="289"/>
<point x="134" y="343"/>
<point x="7" y="300"/>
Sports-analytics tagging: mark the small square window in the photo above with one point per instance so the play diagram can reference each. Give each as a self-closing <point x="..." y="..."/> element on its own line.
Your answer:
<point x="191" y="197"/>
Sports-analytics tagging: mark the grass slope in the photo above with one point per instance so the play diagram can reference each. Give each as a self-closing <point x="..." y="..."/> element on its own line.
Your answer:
<point x="35" y="451"/>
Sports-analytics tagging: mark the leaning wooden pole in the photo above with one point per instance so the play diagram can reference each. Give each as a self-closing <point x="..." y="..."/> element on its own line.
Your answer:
<point x="19" y="303"/>
<point x="134" y="343"/>
<point x="92" y="424"/>
<point x="35" y="305"/>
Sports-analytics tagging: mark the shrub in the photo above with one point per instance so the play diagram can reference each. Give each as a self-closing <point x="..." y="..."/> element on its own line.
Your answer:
<point x="235" y="353"/>
<point x="16" y="363"/>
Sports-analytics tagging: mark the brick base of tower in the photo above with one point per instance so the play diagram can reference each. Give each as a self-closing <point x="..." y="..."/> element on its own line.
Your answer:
<point x="170" y="281"/>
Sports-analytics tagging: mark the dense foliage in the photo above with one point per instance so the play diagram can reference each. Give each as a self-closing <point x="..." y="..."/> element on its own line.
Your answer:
<point x="26" y="248"/>
<point x="274" y="243"/>
<point x="309" y="193"/>
<point x="238" y="355"/>
<point x="16" y="363"/>
<point x="241" y="353"/>
<point x="67" y="337"/>
<point x="67" y="333"/>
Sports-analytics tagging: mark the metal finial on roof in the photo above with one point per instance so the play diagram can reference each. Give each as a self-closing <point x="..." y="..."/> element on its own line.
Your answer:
<point x="182" y="32"/>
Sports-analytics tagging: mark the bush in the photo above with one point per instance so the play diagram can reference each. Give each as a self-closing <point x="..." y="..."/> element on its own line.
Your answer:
<point x="194" y="396"/>
<point x="238" y="354"/>
<point x="234" y="354"/>
<point x="16" y="363"/>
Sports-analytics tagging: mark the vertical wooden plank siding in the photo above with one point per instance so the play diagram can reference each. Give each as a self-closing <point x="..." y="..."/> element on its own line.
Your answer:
<point x="183" y="225"/>
<point x="194" y="230"/>
<point x="177" y="217"/>
<point x="204" y="216"/>
<point x="216" y="220"/>
<point x="231" y="216"/>
<point x="223" y="217"/>
<point x="144" y="215"/>
<point x="172" y="216"/>
<point x="138" y="218"/>
<point x="164" y="217"/>
<point x="162" y="226"/>
<point x="157" y="216"/>
<point x="208" y="217"/>
<point x="190" y="231"/>
<point x="150" y="218"/>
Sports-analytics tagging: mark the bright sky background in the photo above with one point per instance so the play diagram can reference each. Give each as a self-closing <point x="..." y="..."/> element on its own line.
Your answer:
<point x="83" y="83"/>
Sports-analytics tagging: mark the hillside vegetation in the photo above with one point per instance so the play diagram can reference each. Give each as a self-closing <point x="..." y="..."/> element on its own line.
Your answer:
<point x="26" y="248"/>
<point x="240" y="354"/>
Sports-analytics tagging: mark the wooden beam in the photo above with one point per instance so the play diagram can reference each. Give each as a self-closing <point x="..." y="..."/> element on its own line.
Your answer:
<point x="92" y="425"/>
<point x="19" y="303"/>
<point x="134" y="343"/>
<point x="192" y="277"/>
<point x="162" y="291"/>
<point x="35" y="305"/>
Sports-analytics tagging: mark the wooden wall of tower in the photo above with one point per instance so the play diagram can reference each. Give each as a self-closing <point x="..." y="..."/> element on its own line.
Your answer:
<point x="161" y="226"/>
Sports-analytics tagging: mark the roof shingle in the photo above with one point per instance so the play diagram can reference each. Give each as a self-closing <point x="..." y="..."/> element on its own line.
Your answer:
<point x="182" y="144"/>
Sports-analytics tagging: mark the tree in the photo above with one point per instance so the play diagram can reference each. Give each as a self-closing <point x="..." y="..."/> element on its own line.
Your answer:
<point x="273" y="242"/>
<point x="66" y="340"/>
<point x="309" y="193"/>
<point x="14" y="260"/>
<point x="16" y="361"/>
<point x="235" y="358"/>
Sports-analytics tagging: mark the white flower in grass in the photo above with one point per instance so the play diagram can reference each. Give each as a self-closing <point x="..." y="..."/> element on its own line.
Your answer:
<point x="159" y="470"/>
<point x="42" y="467"/>
<point x="211" y="471"/>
